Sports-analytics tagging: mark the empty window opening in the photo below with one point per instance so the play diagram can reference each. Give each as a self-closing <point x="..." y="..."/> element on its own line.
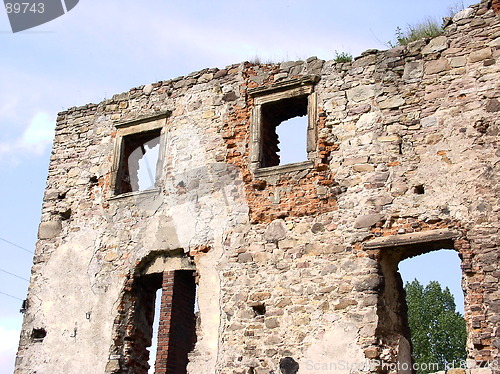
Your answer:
<point x="138" y="163"/>
<point x="292" y="140"/>
<point x="442" y="266"/>
<point x="284" y="131"/>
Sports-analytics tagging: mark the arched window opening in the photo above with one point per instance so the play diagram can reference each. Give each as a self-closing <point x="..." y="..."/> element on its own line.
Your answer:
<point x="160" y="307"/>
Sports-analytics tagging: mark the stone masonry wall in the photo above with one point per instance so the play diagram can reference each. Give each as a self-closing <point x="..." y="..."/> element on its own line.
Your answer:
<point x="296" y="261"/>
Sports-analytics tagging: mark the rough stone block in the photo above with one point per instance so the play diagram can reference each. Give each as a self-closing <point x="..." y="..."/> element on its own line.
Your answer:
<point x="49" y="230"/>
<point x="276" y="231"/>
<point x="480" y="55"/>
<point x="437" y="44"/>
<point x="367" y="220"/>
<point x="413" y="70"/>
<point x="437" y="66"/>
<point x="361" y="93"/>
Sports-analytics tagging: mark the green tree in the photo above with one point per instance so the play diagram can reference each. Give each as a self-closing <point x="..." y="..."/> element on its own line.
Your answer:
<point x="438" y="332"/>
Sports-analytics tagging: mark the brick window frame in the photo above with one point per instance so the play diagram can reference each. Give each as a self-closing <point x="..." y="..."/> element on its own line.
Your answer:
<point x="143" y="128"/>
<point x="300" y="91"/>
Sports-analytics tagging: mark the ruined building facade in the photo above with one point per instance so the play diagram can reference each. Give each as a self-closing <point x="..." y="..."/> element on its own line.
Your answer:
<point x="262" y="262"/>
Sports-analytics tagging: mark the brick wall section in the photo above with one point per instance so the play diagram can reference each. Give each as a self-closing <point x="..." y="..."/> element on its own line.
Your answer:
<point x="176" y="333"/>
<point x="308" y="192"/>
<point x="495" y="4"/>
<point x="165" y="322"/>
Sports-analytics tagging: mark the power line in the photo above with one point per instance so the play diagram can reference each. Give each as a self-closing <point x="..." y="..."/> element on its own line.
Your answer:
<point x="14" y="275"/>
<point x="14" y="297"/>
<point x="15" y="245"/>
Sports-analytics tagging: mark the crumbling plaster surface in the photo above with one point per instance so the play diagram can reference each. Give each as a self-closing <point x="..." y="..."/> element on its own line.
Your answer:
<point x="390" y="125"/>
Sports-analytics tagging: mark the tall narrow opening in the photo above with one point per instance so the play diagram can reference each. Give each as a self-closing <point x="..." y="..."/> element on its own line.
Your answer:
<point x="154" y="340"/>
<point x="157" y="324"/>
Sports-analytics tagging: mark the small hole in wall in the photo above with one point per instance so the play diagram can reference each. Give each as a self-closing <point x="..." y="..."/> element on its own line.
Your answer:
<point x="251" y="370"/>
<point x="289" y="366"/>
<point x="419" y="189"/>
<point x="65" y="215"/>
<point x="93" y="180"/>
<point x="37" y="335"/>
<point x="259" y="309"/>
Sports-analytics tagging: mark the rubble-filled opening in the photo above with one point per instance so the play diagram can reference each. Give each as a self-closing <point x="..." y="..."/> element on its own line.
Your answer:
<point x="393" y="326"/>
<point x="138" y="161"/>
<point x="284" y="119"/>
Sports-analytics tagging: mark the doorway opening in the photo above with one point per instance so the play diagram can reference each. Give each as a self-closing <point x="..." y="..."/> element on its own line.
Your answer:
<point x="423" y="322"/>
<point x="435" y="300"/>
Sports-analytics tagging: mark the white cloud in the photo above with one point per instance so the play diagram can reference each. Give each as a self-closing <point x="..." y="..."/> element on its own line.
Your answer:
<point x="40" y="132"/>
<point x="8" y="348"/>
<point x="35" y="139"/>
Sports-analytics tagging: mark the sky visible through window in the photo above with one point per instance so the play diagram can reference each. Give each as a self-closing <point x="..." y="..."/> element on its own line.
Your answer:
<point x="292" y="135"/>
<point x="147" y="166"/>
<point x="442" y="266"/>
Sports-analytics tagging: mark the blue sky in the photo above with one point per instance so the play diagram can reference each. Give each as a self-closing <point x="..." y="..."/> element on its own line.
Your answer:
<point x="101" y="48"/>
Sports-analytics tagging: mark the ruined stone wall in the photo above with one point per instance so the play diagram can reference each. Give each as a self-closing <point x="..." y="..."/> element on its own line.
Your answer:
<point x="294" y="260"/>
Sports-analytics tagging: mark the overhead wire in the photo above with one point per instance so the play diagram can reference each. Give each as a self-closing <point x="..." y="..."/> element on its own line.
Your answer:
<point x="14" y="297"/>
<point x="14" y="275"/>
<point x="15" y="245"/>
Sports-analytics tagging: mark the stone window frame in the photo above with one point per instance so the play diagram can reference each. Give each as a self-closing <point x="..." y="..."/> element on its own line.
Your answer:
<point x="273" y="93"/>
<point x="137" y="127"/>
